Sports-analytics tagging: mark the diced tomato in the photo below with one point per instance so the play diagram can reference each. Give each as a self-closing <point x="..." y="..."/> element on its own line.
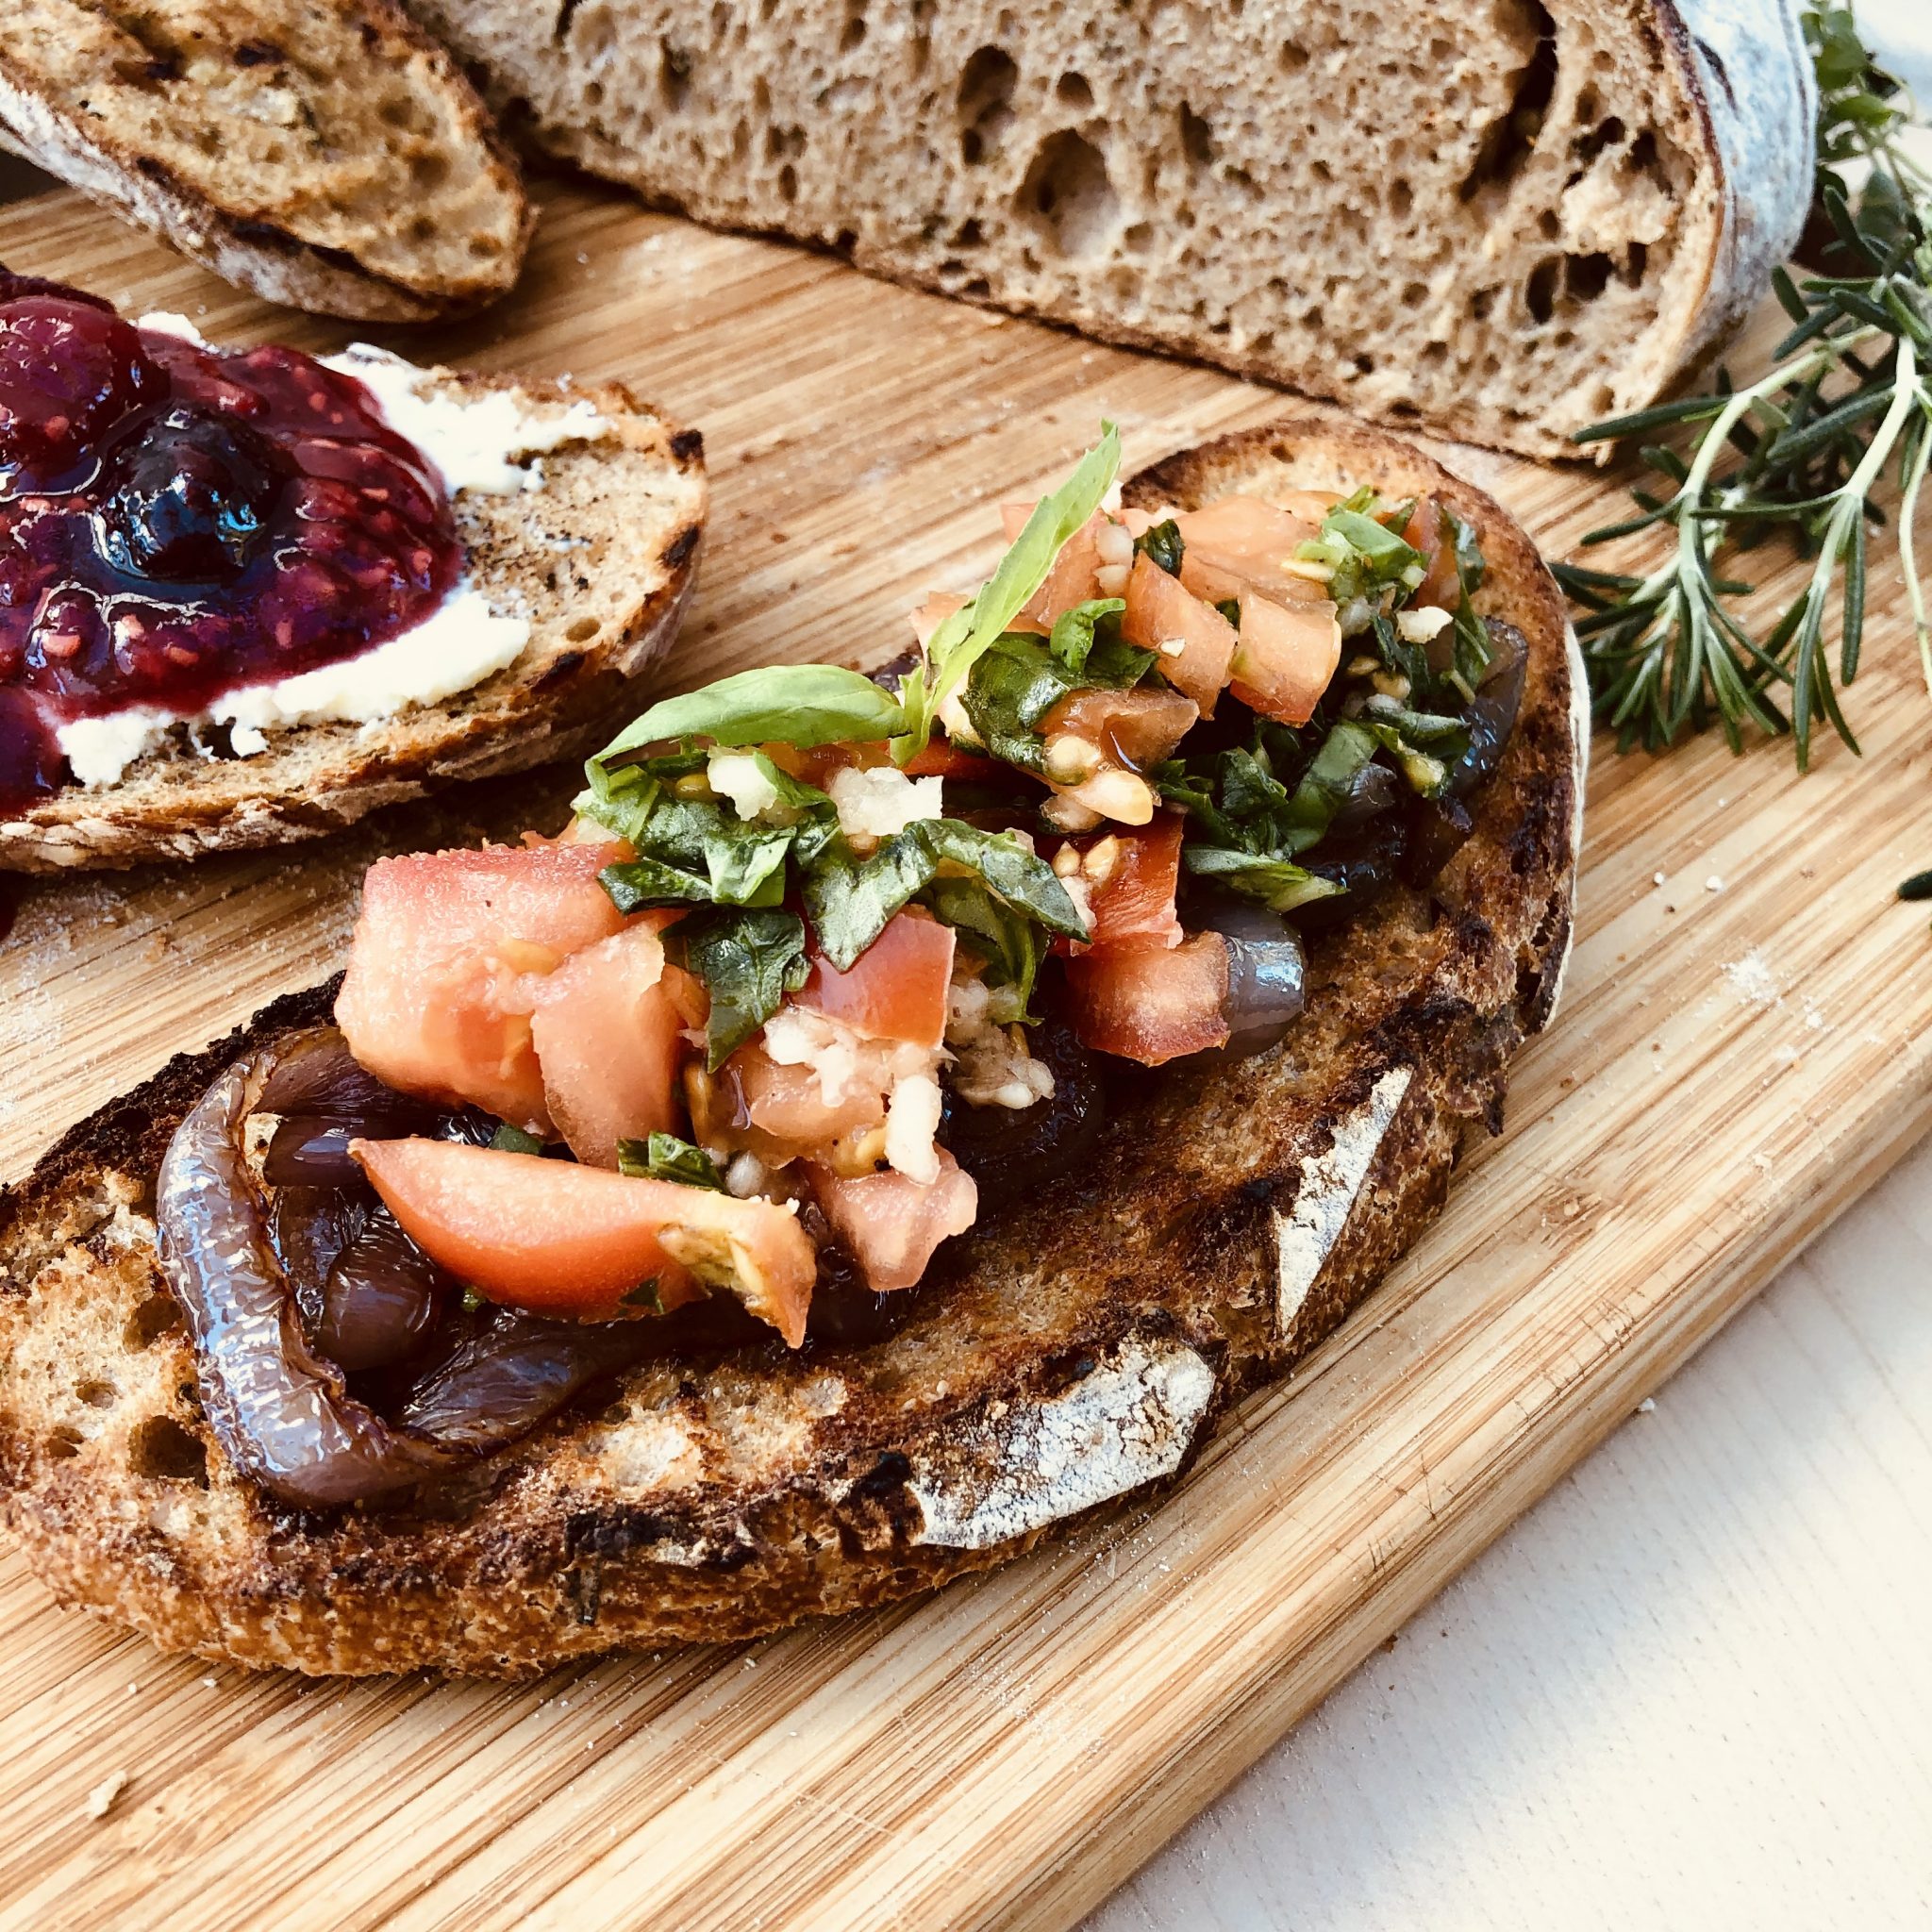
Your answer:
<point x="892" y="1225"/>
<point x="559" y="1239"/>
<point x="1245" y="534"/>
<point x="941" y="758"/>
<point x="1134" y="903"/>
<point x="1286" y="656"/>
<point x="786" y="1104"/>
<point x="939" y="606"/>
<point x="608" y="1035"/>
<point x="446" y="952"/>
<point x="1072" y="579"/>
<point x="1161" y="611"/>
<point x="896" y="988"/>
<point x="1151" y="1002"/>
<point x="1135" y="728"/>
<point x="1425" y="531"/>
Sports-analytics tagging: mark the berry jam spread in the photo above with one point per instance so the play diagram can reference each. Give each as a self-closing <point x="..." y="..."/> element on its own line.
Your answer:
<point x="177" y="523"/>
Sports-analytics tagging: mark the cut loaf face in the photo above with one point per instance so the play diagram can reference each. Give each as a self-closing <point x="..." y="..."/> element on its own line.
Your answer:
<point x="1503" y="220"/>
<point x="1081" y="1347"/>
<point x="328" y="156"/>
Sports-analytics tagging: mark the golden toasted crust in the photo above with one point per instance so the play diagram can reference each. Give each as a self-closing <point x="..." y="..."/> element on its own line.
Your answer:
<point x="331" y="157"/>
<point x="602" y="560"/>
<point x="1073" y="1350"/>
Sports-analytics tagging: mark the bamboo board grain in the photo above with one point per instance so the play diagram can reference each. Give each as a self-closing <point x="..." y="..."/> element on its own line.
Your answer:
<point x="1741" y="1050"/>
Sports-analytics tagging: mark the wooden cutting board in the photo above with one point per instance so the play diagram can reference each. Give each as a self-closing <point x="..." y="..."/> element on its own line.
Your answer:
<point x="1741" y="1050"/>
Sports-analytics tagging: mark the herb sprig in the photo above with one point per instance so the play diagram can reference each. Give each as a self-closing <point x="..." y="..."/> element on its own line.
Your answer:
<point x="1800" y="453"/>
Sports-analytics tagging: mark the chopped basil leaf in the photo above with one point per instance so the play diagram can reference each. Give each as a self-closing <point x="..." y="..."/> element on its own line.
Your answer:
<point x="1022" y="878"/>
<point x="749" y="960"/>
<point x="665" y="1157"/>
<point x="1230" y="607"/>
<point x="1472" y="649"/>
<point x="851" y="900"/>
<point x="1072" y="643"/>
<point x="510" y="1140"/>
<point x="955" y="646"/>
<point x="783" y="704"/>
<point x="1020" y="679"/>
<point x="1011" y="944"/>
<point x="1162" y="546"/>
<point x="1279" y="884"/>
<point x="1363" y="555"/>
<point x="645" y="1295"/>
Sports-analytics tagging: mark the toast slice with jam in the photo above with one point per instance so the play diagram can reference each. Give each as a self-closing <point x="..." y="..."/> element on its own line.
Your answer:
<point x="255" y="595"/>
<point x="725" y="1447"/>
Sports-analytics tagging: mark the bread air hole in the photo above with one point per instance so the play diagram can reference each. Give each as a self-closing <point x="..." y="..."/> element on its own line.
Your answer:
<point x="985" y="102"/>
<point x="1068" y="196"/>
<point x="1072" y="91"/>
<point x="63" y="1443"/>
<point x="97" y="1394"/>
<point x="673" y="74"/>
<point x="162" y="1449"/>
<point x="150" y="1320"/>
<point x="1508" y="142"/>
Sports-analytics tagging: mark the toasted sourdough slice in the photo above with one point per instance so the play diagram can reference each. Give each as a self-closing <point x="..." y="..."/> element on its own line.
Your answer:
<point x="601" y="560"/>
<point x="328" y="156"/>
<point x="1077" y="1348"/>
<point x="1505" y="218"/>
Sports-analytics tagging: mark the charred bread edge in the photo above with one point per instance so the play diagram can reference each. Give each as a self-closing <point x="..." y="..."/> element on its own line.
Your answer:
<point x="876" y="1516"/>
<point x="255" y="252"/>
<point x="564" y="711"/>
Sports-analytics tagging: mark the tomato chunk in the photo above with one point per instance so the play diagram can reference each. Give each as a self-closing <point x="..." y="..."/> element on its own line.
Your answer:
<point x="1135" y="728"/>
<point x="1286" y="656"/>
<point x="1160" y="613"/>
<point x="1149" y="1003"/>
<point x="446" y="952"/>
<point x="559" y="1239"/>
<point x="892" y="1224"/>
<point x="1133" y="899"/>
<point x="788" y="1103"/>
<point x="1074" y="579"/>
<point x="608" y="1033"/>
<point x="944" y="759"/>
<point x="1427" y="531"/>
<point x="896" y="988"/>
<point x="1247" y="534"/>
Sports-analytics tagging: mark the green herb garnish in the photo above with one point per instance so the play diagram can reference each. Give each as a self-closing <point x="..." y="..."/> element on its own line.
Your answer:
<point x="805" y="705"/>
<point x="510" y="1140"/>
<point x="749" y="959"/>
<point x="957" y="645"/>
<point x="1800" y="454"/>
<point x="1918" y="886"/>
<point x="1162" y="546"/>
<point x="665" y="1157"/>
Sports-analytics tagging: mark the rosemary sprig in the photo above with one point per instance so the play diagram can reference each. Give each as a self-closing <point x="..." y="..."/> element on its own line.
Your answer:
<point x="1802" y="453"/>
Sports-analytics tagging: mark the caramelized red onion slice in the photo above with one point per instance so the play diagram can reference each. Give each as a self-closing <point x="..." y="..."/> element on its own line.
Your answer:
<point x="1267" y="975"/>
<point x="379" y="1298"/>
<point x="317" y="1077"/>
<point x="282" y="1412"/>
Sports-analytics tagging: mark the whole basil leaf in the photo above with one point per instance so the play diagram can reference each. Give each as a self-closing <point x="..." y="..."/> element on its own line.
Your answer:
<point x="641" y="882"/>
<point x="1072" y="631"/>
<point x="955" y="646"/>
<point x="665" y="1157"/>
<point x="786" y="704"/>
<point x="1279" y="884"/>
<point x="749" y="960"/>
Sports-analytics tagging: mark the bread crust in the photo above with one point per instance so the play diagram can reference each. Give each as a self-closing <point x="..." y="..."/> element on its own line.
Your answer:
<point x="1075" y="1350"/>
<point x="255" y="247"/>
<point x="614" y="538"/>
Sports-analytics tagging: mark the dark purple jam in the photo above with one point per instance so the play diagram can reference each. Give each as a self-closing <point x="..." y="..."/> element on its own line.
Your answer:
<point x="177" y="523"/>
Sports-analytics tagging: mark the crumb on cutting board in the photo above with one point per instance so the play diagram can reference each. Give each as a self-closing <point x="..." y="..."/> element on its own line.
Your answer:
<point x="100" y="1801"/>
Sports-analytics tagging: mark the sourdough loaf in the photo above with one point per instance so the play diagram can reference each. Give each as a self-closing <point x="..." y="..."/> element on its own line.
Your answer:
<point x="1074" y="1350"/>
<point x="1502" y="219"/>
<point x="329" y="156"/>
<point x="600" y="560"/>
